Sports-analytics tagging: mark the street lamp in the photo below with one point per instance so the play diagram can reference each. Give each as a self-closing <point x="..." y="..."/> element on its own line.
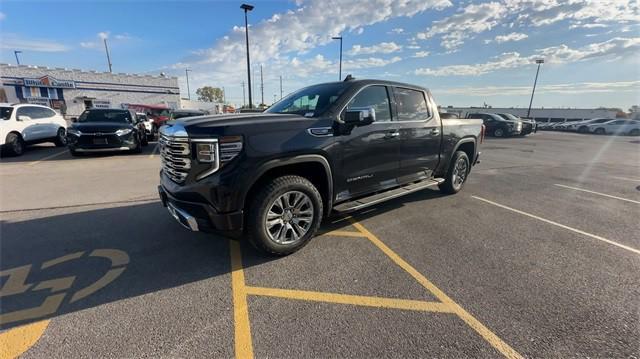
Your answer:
<point x="539" y="62"/>
<point x="246" y="9"/>
<point x="186" y="72"/>
<point x="16" y="52"/>
<point x="340" y="71"/>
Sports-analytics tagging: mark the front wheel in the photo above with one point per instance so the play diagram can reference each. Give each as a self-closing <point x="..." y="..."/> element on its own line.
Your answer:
<point x="498" y="132"/>
<point x="61" y="138"/>
<point x="456" y="174"/>
<point x="284" y="215"/>
<point x="14" y="144"/>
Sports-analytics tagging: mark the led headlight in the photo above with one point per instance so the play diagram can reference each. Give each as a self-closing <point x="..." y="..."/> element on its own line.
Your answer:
<point x="124" y="131"/>
<point x="206" y="152"/>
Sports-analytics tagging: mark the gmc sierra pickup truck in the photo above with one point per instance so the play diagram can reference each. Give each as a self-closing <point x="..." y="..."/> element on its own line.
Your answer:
<point x="330" y="148"/>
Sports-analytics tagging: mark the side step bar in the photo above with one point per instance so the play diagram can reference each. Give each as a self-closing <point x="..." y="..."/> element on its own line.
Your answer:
<point x="360" y="203"/>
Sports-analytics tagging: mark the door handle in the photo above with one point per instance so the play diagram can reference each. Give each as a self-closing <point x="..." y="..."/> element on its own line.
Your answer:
<point x="392" y="134"/>
<point x="435" y="131"/>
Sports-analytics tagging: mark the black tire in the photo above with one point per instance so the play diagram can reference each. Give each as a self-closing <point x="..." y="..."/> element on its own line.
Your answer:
<point x="498" y="132"/>
<point x="138" y="148"/>
<point x="634" y="132"/>
<point x="452" y="184"/>
<point x="14" y="144"/>
<point x="61" y="138"/>
<point x="263" y="202"/>
<point x="599" y="131"/>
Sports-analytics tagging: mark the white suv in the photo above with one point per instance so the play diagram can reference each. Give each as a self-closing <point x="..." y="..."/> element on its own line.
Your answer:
<point x="22" y="124"/>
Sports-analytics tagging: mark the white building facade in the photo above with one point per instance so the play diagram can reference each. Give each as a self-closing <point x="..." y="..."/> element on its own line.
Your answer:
<point x="71" y="91"/>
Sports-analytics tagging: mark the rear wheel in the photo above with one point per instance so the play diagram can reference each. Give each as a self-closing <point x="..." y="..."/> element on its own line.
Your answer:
<point x="61" y="138"/>
<point x="284" y="215"/>
<point x="456" y="174"/>
<point x="14" y="144"/>
<point x="498" y="132"/>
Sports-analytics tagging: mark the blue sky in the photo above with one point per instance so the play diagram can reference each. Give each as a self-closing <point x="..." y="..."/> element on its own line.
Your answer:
<point x="466" y="52"/>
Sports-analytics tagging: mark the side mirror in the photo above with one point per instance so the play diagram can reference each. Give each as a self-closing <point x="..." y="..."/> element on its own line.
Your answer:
<point x="360" y="116"/>
<point x="24" y="118"/>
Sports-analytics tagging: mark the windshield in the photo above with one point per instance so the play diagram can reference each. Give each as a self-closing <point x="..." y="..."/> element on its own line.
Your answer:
<point x="5" y="112"/>
<point x="105" y="116"/>
<point x="160" y="112"/>
<point x="311" y="101"/>
<point x="508" y="116"/>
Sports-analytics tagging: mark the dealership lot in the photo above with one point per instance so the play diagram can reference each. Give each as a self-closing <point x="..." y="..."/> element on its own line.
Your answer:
<point x="538" y="257"/>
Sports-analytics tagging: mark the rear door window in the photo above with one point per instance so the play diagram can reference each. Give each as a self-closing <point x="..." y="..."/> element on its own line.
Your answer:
<point x="412" y="105"/>
<point x="30" y="111"/>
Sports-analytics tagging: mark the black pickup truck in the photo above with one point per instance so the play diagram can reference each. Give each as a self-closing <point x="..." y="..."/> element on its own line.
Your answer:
<point x="330" y="148"/>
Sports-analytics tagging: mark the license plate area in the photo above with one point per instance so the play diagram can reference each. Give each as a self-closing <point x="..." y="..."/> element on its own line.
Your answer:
<point x="100" y="141"/>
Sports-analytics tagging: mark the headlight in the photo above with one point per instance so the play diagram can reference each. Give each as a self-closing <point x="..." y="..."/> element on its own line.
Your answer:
<point x="73" y="131"/>
<point x="206" y="151"/>
<point x="124" y="131"/>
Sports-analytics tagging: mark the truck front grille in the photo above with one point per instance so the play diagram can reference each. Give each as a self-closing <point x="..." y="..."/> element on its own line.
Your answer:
<point x="176" y="157"/>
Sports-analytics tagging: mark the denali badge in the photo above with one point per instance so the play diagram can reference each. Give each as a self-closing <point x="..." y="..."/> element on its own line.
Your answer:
<point x="358" y="178"/>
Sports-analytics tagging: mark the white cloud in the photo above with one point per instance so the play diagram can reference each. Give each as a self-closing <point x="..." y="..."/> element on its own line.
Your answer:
<point x="2" y="16"/>
<point x="370" y="62"/>
<point x="614" y="48"/>
<point x="103" y="35"/>
<point x="421" y="54"/>
<point x="514" y="36"/>
<point x="16" y="42"/>
<point x="98" y="44"/>
<point x="381" y="48"/>
<point x="397" y="31"/>
<point x="413" y="47"/>
<point x="566" y="88"/>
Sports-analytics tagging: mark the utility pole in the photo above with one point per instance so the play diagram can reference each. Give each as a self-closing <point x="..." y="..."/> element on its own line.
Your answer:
<point x="274" y="98"/>
<point x="224" y="95"/>
<point x="244" y="103"/>
<point x="106" y="48"/>
<point x="247" y="8"/>
<point x="261" y="85"/>
<point x="539" y="62"/>
<point x="186" y="71"/>
<point x="340" y="71"/>
<point x="16" y="52"/>
<point x="281" y="87"/>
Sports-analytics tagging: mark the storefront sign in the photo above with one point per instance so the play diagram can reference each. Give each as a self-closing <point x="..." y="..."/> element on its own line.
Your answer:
<point x="49" y="81"/>
<point x="101" y="104"/>
<point x="44" y="101"/>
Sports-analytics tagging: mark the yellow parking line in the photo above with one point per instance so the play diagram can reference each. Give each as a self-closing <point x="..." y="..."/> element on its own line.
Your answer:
<point x="560" y="225"/>
<point x="487" y="334"/>
<point x="344" y="234"/>
<point x="243" y="344"/>
<point x="14" y="342"/>
<point x="47" y="158"/>
<point x="597" y="193"/>
<point x="365" y="301"/>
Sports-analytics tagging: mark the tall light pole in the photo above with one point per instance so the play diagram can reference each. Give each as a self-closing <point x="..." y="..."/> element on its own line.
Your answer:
<point x="539" y="62"/>
<point x="340" y="71"/>
<point x="246" y="9"/>
<point x="106" y="48"/>
<point x="224" y="95"/>
<point x="186" y="72"/>
<point x="281" y="87"/>
<point x="16" y="52"/>
<point x="261" y="86"/>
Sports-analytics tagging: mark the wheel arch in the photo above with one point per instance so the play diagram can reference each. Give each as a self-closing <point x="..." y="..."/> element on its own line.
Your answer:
<point x="467" y="145"/>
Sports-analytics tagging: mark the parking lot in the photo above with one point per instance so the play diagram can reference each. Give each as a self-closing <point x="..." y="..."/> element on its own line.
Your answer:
<point x="538" y="256"/>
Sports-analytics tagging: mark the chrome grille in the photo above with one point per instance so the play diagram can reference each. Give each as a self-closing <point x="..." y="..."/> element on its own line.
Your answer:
<point x="176" y="157"/>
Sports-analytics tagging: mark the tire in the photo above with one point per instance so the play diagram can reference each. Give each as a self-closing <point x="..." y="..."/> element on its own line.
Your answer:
<point x="455" y="180"/>
<point x="278" y="194"/>
<point x="138" y="148"/>
<point x="61" y="138"/>
<point x="74" y="153"/>
<point x="634" y="132"/>
<point x="14" y="144"/>
<point x="599" y="131"/>
<point x="498" y="132"/>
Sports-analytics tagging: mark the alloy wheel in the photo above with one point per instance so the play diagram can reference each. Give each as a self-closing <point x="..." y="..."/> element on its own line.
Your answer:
<point x="289" y="217"/>
<point x="460" y="172"/>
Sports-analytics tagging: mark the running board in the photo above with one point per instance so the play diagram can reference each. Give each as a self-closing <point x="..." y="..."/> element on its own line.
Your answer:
<point x="386" y="195"/>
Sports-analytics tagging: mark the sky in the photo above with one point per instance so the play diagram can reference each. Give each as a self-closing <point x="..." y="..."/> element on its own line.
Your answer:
<point x="468" y="53"/>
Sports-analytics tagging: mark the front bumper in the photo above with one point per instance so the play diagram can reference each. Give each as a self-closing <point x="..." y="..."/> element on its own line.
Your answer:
<point x="197" y="216"/>
<point x="103" y="143"/>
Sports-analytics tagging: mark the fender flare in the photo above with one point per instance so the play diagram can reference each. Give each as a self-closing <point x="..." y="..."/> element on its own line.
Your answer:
<point x="466" y="140"/>
<point x="298" y="159"/>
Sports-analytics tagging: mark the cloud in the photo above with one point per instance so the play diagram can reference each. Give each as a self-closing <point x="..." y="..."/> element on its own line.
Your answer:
<point x="381" y="48"/>
<point x="514" y="36"/>
<point x="562" y="54"/>
<point x="397" y="31"/>
<point x="566" y="88"/>
<point x="101" y="36"/>
<point x="16" y="42"/>
<point x="2" y="16"/>
<point x="421" y="54"/>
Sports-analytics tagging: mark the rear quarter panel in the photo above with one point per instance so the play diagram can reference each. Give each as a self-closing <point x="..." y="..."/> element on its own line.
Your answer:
<point x="454" y="132"/>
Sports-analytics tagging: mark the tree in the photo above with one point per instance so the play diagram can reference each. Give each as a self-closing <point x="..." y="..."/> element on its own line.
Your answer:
<point x="210" y="94"/>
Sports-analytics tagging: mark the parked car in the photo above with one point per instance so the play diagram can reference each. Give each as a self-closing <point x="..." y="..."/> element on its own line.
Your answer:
<point x="158" y="114"/>
<point x="176" y="114"/>
<point x="583" y="126"/>
<point x="333" y="147"/>
<point x="25" y="124"/>
<point x="616" y="127"/>
<point x="106" y="130"/>
<point x="528" y="126"/>
<point x="497" y="126"/>
<point x="148" y="125"/>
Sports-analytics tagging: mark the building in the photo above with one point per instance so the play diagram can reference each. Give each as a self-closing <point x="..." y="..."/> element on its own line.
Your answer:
<point x="541" y="114"/>
<point x="71" y="91"/>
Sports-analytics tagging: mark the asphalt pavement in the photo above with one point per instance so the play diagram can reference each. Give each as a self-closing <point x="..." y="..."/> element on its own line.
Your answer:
<point x="538" y="256"/>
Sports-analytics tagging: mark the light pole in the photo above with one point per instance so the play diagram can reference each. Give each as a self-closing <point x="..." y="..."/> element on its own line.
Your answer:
<point x="261" y="86"/>
<point x="281" y="87"/>
<point x="186" y="72"/>
<point x="244" y="102"/>
<point x="106" y="48"/>
<point x="340" y="71"/>
<point x="16" y="52"/>
<point x="246" y="9"/>
<point x="224" y="95"/>
<point x="539" y="62"/>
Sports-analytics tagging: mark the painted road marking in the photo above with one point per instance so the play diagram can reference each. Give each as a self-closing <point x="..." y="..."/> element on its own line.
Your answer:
<point x="365" y="301"/>
<point x="243" y="340"/>
<point x="636" y="251"/>
<point x="16" y="341"/>
<point x="626" y="178"/>
<point x="487" y="334"/>
<point x="597" y="193"/>
<point x="47" y="158"/>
